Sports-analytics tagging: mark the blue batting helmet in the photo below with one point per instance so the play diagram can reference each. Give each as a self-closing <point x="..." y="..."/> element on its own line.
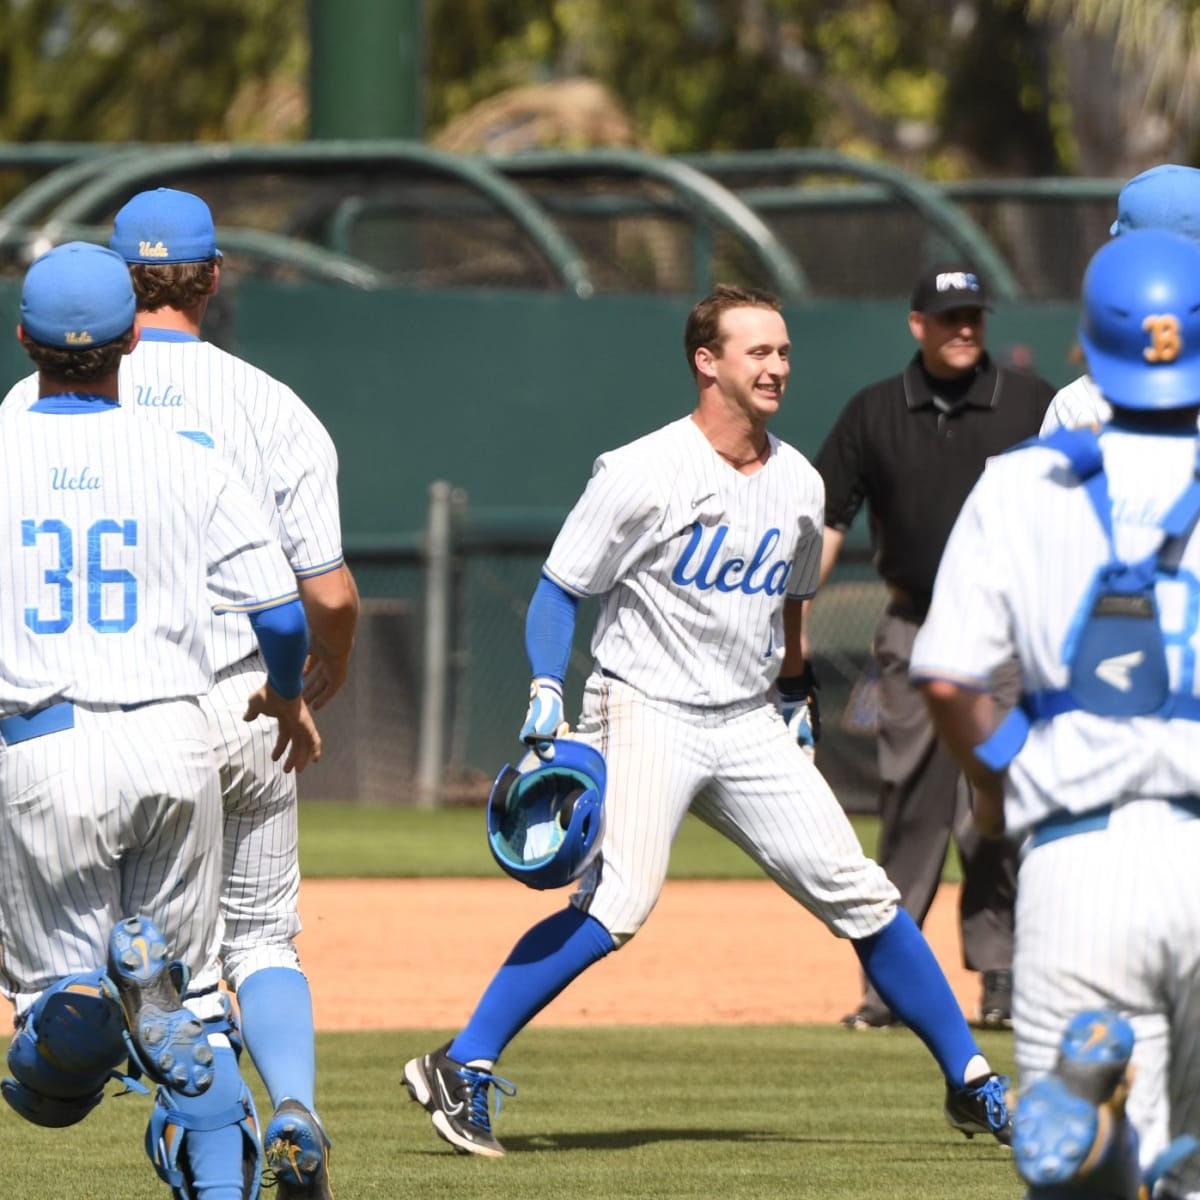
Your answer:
<point x="545" y="820"/>
<point x="1140" y="327"/>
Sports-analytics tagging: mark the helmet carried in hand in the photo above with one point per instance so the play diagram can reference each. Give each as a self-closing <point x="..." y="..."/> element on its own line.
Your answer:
<point x="545" y="820"/>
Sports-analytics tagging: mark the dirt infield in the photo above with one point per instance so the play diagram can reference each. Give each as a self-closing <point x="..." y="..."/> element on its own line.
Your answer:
<point x="417" y="953"/>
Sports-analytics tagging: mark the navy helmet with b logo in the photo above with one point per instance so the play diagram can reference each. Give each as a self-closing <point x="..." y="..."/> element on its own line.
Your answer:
<point x="1140" y="326"/>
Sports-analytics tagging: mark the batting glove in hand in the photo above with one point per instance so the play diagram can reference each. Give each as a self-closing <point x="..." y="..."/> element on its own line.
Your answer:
<point x="544" y="720"/>
<point x="800" y="708"/>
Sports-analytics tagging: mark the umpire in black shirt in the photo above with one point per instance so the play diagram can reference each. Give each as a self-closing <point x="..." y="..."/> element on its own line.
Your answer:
<point x="912" y="447"/>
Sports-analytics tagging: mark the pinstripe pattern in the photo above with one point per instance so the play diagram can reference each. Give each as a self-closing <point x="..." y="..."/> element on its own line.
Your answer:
<point x="1111" y="917"/>
<point x="261" y="888"/>
<point x="739" y="770"/>
<point x="116" y="816"/>
<point x="1079" y="403"/>
<point x="692" y="559"/>
<point x="273" y="441"/>
<point x="1013" y="577"/>
<point x="287" y="460"/>
<point x="199" y="541"/>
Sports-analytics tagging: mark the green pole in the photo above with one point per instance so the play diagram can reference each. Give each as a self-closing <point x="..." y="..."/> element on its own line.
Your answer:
<point x="367" y="68"/>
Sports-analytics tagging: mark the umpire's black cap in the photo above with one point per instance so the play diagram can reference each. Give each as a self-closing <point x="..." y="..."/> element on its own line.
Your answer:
<point x="949" y="285"/>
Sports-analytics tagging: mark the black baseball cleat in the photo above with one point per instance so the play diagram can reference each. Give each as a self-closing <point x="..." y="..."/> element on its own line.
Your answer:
<point x="867" y="1016"/>
<point x="456" y="1098"/>
<point x="167" y="1041"/>
<point x="995" y="1009"/>
<point x="981" y="1107"/>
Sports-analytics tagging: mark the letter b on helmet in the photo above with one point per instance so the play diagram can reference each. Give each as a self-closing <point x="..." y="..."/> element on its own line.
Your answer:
<point x="1140" y="326"/>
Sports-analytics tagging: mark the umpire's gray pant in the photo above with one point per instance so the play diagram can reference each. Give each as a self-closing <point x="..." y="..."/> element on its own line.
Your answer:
<point x="924" y="800"/>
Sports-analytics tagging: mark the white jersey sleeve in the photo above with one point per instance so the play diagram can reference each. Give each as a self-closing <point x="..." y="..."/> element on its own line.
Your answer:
<point x="691" y="562"/>
<point x="1015" y="579"/>
<point x="1079" y="403"/>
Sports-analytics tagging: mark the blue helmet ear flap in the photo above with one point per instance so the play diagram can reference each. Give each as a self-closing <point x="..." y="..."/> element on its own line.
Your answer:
<point x="546" y="820"/>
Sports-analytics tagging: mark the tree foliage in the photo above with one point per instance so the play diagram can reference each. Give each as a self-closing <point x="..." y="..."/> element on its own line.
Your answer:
<point x="941" y="87"/>
<point x="150" y="70"/>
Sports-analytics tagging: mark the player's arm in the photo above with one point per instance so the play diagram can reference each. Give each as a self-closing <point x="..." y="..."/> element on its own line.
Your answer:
<point x="831" y="547"/>
<point x="549" y="631"/>
<point x="965" y="718"/>
<point x="282" y="633"/>
<point x="331" y="606"/>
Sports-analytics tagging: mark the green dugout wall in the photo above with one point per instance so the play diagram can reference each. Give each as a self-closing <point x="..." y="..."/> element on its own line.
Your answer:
<point x="511" y="395"/>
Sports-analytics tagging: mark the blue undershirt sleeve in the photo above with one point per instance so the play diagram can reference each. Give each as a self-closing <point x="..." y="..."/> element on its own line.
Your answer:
<point x="549" y="629"/>
<point x="282" y="634"/>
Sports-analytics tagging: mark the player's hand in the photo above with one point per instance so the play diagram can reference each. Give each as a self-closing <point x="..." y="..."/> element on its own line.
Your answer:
<point x="297" y="731"/>
<point x="323" y="679"/>
<point x="801" y="709"/>
<point x="544" y="720"/>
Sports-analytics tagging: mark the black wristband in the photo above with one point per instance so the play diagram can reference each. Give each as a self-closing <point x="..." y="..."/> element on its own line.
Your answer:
<point x="798" y="685"/>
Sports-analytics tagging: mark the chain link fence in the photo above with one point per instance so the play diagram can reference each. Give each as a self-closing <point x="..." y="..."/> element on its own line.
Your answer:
<point x="373" y="733"/>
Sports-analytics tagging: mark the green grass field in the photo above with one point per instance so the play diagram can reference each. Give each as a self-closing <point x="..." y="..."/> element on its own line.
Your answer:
<point x="345" y="841"/>
<point x="750" y="1112"/>
<point x="753" y="1113"/>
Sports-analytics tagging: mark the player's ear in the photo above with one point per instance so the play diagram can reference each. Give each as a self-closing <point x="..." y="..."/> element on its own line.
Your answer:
<point x="916" y="324"/>
<point x="20" y="333"/>
<point x="216" y="283"/>
<point x="134" y="336"/>
<point x="705" y="362"/>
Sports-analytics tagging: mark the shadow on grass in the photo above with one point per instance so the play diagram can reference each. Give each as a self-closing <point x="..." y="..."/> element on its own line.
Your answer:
<point x="628" y="1139"/>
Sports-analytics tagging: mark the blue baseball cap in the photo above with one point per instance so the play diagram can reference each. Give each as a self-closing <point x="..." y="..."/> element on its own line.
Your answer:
<point x="164" y="226"/>
<point x="1164" y="197"/>
<point x="76" y="296"/>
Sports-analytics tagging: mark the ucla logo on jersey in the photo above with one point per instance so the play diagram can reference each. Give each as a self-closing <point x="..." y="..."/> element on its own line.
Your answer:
<point x="703" y="567"/>
<point x="152" y="250"/>
<point x="147" y="397"/>
<point x="63" y="479"/>
<point x="79" y="337"/>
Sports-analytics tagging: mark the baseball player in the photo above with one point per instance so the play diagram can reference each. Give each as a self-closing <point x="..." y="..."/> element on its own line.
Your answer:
<point x="1078" y="554"/>
<point x="116" y="539"/>
<point x="283" y="454"/>
<point x="699" y="542"/>
<point x="1164" y="197"/>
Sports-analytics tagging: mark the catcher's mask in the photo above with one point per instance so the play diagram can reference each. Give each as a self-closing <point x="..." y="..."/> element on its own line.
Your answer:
<point x="546" y="820"/>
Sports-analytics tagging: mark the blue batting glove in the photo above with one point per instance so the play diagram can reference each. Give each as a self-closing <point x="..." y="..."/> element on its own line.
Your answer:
<point x="800" y="709"/>
<point x="544" y="720"/>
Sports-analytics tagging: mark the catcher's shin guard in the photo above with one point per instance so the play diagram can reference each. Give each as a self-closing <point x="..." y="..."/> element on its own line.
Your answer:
<point x="1071" y="1135"/>
<point x="67" y="1046"/>
<point x="208" y="1144"/>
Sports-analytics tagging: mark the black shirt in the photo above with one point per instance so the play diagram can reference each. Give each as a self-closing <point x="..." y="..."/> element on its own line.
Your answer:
<point x="914" y="458"/>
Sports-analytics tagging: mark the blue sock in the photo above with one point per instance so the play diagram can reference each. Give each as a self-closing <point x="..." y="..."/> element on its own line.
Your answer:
<point x="277" y="1025"/>
<point x="215" y="1155"/>
<point x="899" y="962"/>
<point x="542" y="963"/>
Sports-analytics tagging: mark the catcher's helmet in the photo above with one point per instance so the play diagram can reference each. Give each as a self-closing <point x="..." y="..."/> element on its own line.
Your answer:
<point x="546" y="820"/>
<point x="1140" y="327"/>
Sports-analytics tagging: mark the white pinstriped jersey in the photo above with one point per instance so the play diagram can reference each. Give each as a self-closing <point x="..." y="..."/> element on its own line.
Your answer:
<point x="117" y="540"/>
<point x="275" y="443"/>
<point x="1014" y="575"/>
<point x="692" y="561"/>
<point x="1079" y="403"/>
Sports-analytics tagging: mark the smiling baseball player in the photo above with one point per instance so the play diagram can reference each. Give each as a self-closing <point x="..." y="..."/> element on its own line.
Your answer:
<point x="284" y="455"/>
<point x="115" y="537"/>
<point x="1079" y="554"/>
<point x="699" y="542"/>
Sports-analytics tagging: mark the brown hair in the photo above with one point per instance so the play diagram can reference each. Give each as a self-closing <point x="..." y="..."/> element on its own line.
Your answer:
<point x="172" y="285"/>
<point x="704" y="321"/>
<point x="78" y="366"/>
